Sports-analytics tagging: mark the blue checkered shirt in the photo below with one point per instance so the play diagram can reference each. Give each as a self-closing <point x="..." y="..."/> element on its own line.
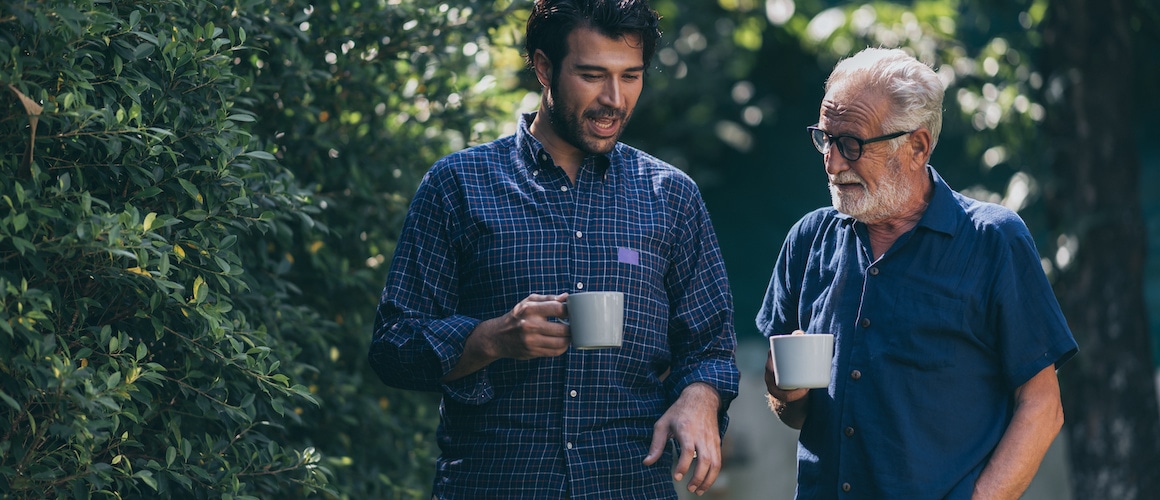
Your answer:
<point x="494" y="223"/>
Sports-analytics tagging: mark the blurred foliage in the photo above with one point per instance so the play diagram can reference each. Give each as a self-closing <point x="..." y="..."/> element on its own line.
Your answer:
<point x="145" y="348"/>
<point x="719" y="75"/>
<point x="194" y="242"/>
<point x="358" y="99"/>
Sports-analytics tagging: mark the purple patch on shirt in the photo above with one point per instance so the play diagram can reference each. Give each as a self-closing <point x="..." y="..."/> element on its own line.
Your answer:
<point x="628" y="256"/>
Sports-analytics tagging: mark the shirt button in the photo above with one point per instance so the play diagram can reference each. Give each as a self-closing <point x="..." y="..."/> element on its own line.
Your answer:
<point x="849" y="432"/>
<point x="573" y="393"/>
<point x="873" y="271"/>
<point x="569" y="445"/>
<point x="543" y="156"/>
<point x="535" y="173"/>
<point x="563" y="188"/>
<point x="865" y="323"/>
<point x="846" y="487"/>
<point x="580" y="285"/>
<point x="855" y="374"/>
<point x="579" y="234"/>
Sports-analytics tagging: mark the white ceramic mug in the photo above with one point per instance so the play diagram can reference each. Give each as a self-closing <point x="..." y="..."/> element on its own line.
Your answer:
<point x="596" y="319"/>
<point x="802" y="361"/>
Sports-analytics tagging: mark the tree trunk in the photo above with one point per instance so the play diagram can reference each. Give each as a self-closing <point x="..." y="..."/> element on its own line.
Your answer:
<point x="1111" y="418"/>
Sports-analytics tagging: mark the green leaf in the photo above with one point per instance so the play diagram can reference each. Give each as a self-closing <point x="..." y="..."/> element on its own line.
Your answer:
<point x="23" y="245"/>
<point x="147" y="478"/>
<point x="228" y="242"/>
<point x="195" y="215"/>
<point x="200" y="290"/>
<point x="147" y="37"/>
<point x="8" y="399"/>
<point x="261" y="155"/>
<point x="20" y="221"/>
<point x="148" y="192"/>
<point x="276" y="404"/>
<point x="113" y="380"/>
<point x="143" y="50"/>
<point x="190" y="189"/>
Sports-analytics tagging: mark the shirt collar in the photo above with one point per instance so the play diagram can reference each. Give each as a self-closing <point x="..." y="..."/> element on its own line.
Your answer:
<point x="534" y="155"/>
<point x="944" y="212"/>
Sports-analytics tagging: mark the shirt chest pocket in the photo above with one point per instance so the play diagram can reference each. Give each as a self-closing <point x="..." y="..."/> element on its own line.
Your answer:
<point x="928" y="331"/>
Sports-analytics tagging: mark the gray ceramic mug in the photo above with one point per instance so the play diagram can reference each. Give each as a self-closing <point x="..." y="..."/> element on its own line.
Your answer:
<point x="596" y="319"/>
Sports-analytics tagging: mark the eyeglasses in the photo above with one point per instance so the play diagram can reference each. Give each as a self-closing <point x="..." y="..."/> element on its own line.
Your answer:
<point x="849" y="146"/>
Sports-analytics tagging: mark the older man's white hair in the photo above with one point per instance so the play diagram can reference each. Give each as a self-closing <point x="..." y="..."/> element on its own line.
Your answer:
<point x="914" y="90"/>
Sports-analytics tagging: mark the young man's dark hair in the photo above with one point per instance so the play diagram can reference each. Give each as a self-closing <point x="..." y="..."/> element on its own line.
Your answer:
<point x="552" y="21"/>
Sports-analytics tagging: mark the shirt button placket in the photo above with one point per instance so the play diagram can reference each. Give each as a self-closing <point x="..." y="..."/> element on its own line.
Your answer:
<point x="849" y="431"/>
<point x="865" y="322"/>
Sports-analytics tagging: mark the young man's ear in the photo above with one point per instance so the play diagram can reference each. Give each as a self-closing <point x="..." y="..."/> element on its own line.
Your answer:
<point x="543" y="68"/>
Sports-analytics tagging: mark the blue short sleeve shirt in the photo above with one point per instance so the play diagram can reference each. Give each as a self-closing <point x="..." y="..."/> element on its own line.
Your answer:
<point x="931" y="340"/>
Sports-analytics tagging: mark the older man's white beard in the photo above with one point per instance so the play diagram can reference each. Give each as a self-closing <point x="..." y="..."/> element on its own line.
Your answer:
<point x="870" y="207"/>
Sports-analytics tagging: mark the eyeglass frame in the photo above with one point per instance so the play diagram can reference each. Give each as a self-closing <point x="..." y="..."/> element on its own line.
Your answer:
<point x="833" y="140"/>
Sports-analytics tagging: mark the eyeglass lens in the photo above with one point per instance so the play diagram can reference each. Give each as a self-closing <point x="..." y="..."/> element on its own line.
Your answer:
<point x="847" y="146"/>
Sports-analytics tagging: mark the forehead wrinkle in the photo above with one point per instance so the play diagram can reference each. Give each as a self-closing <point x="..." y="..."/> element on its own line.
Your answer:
<point x="849" y="116"/>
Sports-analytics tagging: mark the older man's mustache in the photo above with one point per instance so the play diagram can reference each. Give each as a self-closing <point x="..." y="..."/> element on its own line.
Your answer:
<point x="847" y="178"/>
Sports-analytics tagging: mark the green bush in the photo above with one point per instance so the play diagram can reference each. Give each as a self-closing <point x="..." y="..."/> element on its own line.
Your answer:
<point x="199" y="201"/>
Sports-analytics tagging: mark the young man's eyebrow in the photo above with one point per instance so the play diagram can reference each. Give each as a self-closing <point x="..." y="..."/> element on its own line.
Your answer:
<point x="595" y="67"/>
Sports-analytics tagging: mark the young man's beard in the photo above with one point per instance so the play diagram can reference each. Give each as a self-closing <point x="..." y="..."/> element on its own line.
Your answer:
<point x="566" y="122"/>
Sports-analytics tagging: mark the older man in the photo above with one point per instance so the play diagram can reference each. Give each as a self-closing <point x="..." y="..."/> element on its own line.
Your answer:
<point x="947" y="332"/>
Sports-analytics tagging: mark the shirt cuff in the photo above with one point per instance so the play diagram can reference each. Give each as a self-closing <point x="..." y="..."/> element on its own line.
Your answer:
<point x="721" y="375"/>
<point x="448" y="339"/>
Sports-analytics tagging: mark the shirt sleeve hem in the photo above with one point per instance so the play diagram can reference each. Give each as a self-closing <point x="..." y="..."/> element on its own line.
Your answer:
<point x="1059" y="354"/>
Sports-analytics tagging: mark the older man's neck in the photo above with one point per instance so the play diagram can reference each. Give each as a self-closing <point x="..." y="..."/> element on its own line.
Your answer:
<point x="885" y="232"/>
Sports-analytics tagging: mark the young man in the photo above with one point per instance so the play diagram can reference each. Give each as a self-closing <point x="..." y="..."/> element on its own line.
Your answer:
<point x="496" y="238"/>
<point x="947" y="334"/>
